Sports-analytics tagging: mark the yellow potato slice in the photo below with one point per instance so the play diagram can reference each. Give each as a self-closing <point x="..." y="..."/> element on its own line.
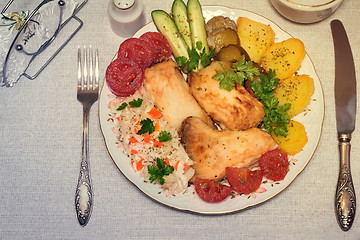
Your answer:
<point x="296" y="138"/>
<point x="297" y="91"/>
<point x="284" y="57"/>
<point x="255" y="37"/>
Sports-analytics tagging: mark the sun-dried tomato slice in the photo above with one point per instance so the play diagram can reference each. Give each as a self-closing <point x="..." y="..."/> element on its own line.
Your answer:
<point x="124" y="76"/>
<point x="211" y="191"/>
<point x="274" y="164"/>
<point x="243" y="180"/>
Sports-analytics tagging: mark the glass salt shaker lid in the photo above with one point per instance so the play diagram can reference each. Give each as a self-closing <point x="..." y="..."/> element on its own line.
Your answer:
<point x="124" y="4"/>
<point x="125" y="17"/>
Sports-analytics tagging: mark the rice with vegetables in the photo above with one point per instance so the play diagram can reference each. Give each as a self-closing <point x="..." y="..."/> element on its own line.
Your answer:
<point x="153" y="148"/>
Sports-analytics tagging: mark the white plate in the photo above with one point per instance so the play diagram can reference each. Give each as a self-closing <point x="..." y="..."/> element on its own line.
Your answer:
<point x="312" y="119"/>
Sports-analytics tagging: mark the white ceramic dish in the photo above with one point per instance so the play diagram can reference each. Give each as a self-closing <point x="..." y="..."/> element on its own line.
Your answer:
<point x="306" y="11"/>
<point x="189" y="201"/>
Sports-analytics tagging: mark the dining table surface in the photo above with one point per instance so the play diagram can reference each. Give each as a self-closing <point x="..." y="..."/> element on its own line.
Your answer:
<point x="41" y="138"/>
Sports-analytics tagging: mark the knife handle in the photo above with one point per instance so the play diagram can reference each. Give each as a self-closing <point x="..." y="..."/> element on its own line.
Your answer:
<point x="345" y="200"/>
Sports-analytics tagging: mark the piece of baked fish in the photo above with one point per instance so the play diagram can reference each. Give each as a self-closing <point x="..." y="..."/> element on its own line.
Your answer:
<point x="236" y="109"/>
<point x="171" y="94"/>
<point x="214" y="150"/>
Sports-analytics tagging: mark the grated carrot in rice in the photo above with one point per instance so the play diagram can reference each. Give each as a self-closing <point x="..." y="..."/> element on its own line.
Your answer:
<point x="154" y="113"/>
<point x="185" y="166"/>
<point x="133" y="140"/>
<point x="177" y="165"/>
<point x="157" y="127"/>
<point x="147" y="139"/>
<point x="158" y="144"/>
<point x="139" y="165"/>
<point x="132" y="151"/>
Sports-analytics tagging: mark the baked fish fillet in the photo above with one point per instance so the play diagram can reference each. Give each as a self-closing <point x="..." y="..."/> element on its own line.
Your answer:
<point x="236" y="109"/>
<point x="171" y="94"/>
<point x="213" y="150"/>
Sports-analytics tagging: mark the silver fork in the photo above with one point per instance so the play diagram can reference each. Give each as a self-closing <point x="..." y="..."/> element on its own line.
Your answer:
<point x="87" y="94"/>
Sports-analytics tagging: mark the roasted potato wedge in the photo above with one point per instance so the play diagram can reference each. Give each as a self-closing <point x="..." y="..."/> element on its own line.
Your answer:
<point x="297" y="91"/>
<point x="284" y="57"/>
<point x="296" y="138"/>
<point x="255" y="37"/>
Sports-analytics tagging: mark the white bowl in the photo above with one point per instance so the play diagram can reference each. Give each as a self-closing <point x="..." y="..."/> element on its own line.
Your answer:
<point x="306" y="11"/>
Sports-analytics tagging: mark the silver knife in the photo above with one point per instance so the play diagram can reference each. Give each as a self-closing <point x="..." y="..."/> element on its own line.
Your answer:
<point x="345" y="100"/>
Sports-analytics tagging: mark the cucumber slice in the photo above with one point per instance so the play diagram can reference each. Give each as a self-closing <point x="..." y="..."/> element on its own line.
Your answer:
<point x="179" y="12"/>
<point x="197" y="25"/>
<point x="166" y="25"/>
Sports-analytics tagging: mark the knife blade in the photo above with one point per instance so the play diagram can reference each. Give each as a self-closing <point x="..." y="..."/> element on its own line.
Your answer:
<point x="345" y="105"/>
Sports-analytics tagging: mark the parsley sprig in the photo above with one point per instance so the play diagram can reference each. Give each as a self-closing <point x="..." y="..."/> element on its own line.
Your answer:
<point x="276" y="118"/>
<point x="122" y="106"/>
<point x="240" y="71"/>
<point x="147" y="126"/>
<point x="164" y="136"/>
<point x="134" y="104"/>
<point x="198" y="58"/>
<point x="158" y="171"/>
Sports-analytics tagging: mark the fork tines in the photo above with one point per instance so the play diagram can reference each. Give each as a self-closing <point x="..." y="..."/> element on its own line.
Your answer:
<point x="88" y="68"/>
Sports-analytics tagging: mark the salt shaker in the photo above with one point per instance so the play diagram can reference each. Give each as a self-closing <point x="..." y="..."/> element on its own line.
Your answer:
<point x="125" y="17"/>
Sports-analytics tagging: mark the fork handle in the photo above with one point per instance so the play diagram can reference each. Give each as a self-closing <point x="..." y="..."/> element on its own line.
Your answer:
<point x="84" y="194"/>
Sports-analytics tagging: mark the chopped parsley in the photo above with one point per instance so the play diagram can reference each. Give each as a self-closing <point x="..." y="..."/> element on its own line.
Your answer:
<point x="147" y="126"/>
<point x="164" y="136"/>
<point x="134" y="103"/>
<point x="276" y="118"/>
<point x="159" y="171"/>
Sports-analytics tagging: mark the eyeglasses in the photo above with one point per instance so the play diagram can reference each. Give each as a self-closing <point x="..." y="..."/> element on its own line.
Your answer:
<point x="34" y="33"/>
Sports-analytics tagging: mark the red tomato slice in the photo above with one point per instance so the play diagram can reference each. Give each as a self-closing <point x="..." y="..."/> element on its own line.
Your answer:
<point x="138" y="50"/>
<point x="124" y="76"/>
<point x="243" y="180"/>
<point x="274" y="164"/>
<point x="159" y="43"/>
<point x="211" y="191"/>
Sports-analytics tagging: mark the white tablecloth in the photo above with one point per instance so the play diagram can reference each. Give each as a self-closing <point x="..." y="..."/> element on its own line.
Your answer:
<point x="40" y="133"/>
